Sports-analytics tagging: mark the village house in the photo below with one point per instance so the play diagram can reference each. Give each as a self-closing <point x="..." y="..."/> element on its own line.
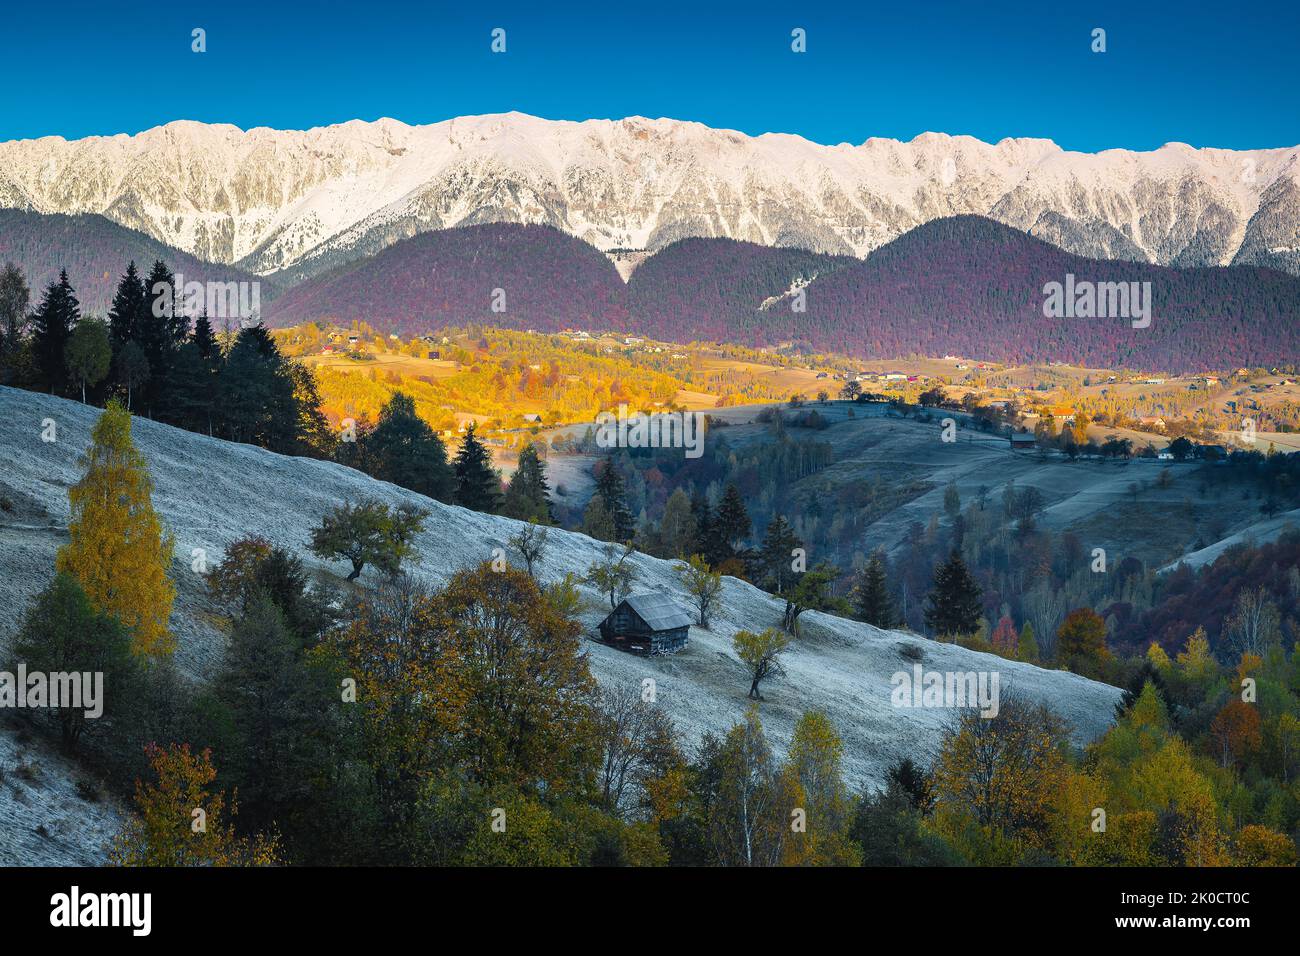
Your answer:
<point x="648" y="623"/>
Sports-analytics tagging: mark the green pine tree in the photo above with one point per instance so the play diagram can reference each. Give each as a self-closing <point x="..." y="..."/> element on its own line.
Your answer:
<point x="128" y="306"/>
<point x="871" y="599"/>
<point x="609" y="486"/>
<point x="954" y="602"/>
<point x="52" y="324"/>
<point x="776" y="558"/>
<point x="732" y="524"/>
<point x="403" y="449"/>
<point x="528" y="494"/>
<point x="478" y="485"/>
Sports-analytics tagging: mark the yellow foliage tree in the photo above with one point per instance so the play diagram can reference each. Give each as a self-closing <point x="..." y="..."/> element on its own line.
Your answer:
<point x="182" y="823"/>
<point x="118" y="550"/>
<point x="1196" y="661"/>
<point x="1260" y="846"/>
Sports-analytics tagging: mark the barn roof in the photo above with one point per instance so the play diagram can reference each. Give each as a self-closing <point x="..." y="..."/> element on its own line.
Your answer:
<point x="658" y="610"/>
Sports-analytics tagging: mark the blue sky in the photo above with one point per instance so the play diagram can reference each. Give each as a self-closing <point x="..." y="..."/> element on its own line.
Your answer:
<point x="1221" y="74"/>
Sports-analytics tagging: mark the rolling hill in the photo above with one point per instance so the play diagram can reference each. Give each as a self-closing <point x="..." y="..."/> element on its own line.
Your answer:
<point x="210" y="492"/>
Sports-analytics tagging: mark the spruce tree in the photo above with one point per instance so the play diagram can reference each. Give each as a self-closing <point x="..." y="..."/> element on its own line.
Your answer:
<point x="776" y="555"/>
<point x="528" y="494"/>
<point x="732" y="524"/>
<point x="609" y="486"/>
<point x="52" y="325"/>
<point x="403" y="449"/>
<point x="954" y="602"/>
<point x="128" y="306"/>
<point x="257" y="399"/>
<point x="273" y="706"/>
<point x="702" y="515"/>
<point x="193" y="381"/>
<point x="204" y="339"/>
<point x="478" y="485"/>
<point x="871" y="599"/>
<point x="156" y="331"/>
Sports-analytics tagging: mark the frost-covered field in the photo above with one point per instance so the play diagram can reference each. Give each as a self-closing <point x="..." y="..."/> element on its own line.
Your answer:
<point x="210" y="492"/>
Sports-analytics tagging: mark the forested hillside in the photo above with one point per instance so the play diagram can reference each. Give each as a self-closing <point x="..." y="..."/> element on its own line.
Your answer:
<point x="93" y="250"/>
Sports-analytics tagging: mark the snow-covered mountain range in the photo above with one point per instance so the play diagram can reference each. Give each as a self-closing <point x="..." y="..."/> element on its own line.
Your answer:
<point x="303" y="201"/>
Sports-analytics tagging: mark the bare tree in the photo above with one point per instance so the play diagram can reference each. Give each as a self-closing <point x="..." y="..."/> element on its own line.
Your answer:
<point x="636" y="738"/>
<point x="1045" y="608"/>
<point x="530" y="542"/>
<point x="1254" y="622"/>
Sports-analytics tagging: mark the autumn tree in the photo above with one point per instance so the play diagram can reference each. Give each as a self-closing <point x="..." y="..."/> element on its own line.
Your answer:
<point x="253" y="567"/>
<point x="1027" y="647"/>
<point x="702" y="584"/>
<point x="810" y="591"/>
<point x="1259" y="846"/>
<point x="181" y="821"/>
<point x="1000" y="774"/>
<point x="815" y="759"/>
<point x="677" y="527"/>
<point x="117" y="549"/>
<point x="521" y="679"/>
<point x="750" y="812"/>
<point x="637" y="744"/>
<point x="368" y="533"/>
<point x="761" y="654"/>
<point x="1236" y="732"/>
<point x="1005" y="638"/>
<point x="401" y="682"/>
<point x="1253" y="623"/>
<point x="1081" y="640"/>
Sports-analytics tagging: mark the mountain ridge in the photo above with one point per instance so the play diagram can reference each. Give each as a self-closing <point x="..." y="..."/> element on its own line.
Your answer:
<point x="303" y="201"/>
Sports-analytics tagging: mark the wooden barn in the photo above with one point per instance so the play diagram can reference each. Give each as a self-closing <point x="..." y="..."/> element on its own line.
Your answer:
<point x="648" y="623"/>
